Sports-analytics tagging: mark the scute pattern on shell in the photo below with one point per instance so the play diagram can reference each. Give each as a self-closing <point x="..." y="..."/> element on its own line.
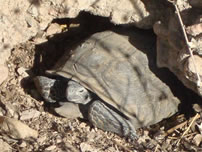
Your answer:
<point x="115" y="67"/>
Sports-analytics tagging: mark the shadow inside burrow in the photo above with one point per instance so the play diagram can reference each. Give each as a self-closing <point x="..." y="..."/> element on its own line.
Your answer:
<point x="48" y="53"/>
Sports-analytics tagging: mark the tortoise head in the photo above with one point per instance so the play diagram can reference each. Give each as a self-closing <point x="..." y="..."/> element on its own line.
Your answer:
<point x="76" y="93"/>
<point x="60" y="90"/>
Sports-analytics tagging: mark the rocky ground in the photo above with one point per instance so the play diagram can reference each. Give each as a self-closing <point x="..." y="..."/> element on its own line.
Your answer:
<point x="20" y="101"/>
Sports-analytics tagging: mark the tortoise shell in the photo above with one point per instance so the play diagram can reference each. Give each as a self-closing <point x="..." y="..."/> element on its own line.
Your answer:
<point x="114" y="66"/>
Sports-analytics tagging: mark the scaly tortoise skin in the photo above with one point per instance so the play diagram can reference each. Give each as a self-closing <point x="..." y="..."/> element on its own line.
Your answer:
<point x="113" y="66"/>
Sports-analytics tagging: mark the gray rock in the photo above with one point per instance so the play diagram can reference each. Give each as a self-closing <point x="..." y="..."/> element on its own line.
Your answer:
<point x="172" y="50"/>
<point x="29" y="114"/>
<point x="136" y="12"/>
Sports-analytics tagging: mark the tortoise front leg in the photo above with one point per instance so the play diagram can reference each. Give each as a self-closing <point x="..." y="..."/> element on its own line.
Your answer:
<point x="105" y="118"/>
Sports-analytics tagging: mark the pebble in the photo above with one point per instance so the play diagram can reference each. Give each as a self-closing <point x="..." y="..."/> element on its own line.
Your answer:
<point x="199" y="127"/>
<point x="22" y="71"/>
<point x="33" y="11"/>
<point x="91" y="136"/>
<point x="29" y="114"/>
<point x="42" y="139"/>
<point x="58" y="140"/>
<point x="11" y="109"/>
<point x="13" y="81"/>
<point x="86" y="147"/>
<point x="74" y="25"/>
<point x="3" y="73"/>
<point x="197" y="139"/>
<point x="23" y="144"/>
<point x="16" y="128"/>
<point x="50" y="148"/>
<point x="29" y="101"/>
<point x="82" y="125"/>
<point x="190" y="66"/>
<point x="197" y="107"/>
<point x="40" y="40"/>
<point x="53" y="29"/>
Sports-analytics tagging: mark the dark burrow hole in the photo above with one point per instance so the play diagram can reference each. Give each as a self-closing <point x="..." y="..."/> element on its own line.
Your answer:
<point x="51" y="51"/>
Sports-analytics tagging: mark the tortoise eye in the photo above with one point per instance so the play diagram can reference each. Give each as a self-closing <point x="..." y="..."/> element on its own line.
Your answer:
<point x="86" y="97"/>
<point x="82" y="90"/>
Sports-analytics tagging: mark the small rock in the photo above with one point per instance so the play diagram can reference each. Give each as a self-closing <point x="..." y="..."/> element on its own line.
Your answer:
<point x="91" y="136"/>
<point x="197" y="139"/>
<point x="86" y="147"/>
<point x="41" y="140"/>
<point x="23" y="144"/>
<point x="16" y="115"/>
<point x="4" y="147"/>
<point x="40" y="40"/>
<point x="82" y="125"/>
<point x="33" y="11"/>
<point x="50" y="148"/>
<point x="197" y="107"/>
<point x="44" y="25"/>
<point x="199" y="127"/>
<point x="22" y="71"/>
<point x="13" y="81"/>
<point x="88" y="128"/>
<point x="3" y="73"/>
<point x="53" y="29"/>
<point x="11" y="110"/>
<point x="144" y="137"/>
<point x="16" y="128"/>
<point x="58" y="141"/>
<point x="71" y="126"/>
<point x="74" y="25"/>
<point x="29" y="114"/>
<point x="195" y="29"/>
<point x="29" y="101"/>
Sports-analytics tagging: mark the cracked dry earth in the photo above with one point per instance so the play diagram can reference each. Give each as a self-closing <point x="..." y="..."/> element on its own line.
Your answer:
<point x="20" y="100"/>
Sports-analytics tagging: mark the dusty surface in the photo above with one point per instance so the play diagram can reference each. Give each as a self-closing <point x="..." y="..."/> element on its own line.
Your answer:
<point x="22" y="20"/>
<point x="20" y="100"/>
<point x="129" y="12"/>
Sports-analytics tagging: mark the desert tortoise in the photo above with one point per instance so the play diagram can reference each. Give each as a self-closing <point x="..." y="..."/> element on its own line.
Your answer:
<point x="129" y="95"/>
